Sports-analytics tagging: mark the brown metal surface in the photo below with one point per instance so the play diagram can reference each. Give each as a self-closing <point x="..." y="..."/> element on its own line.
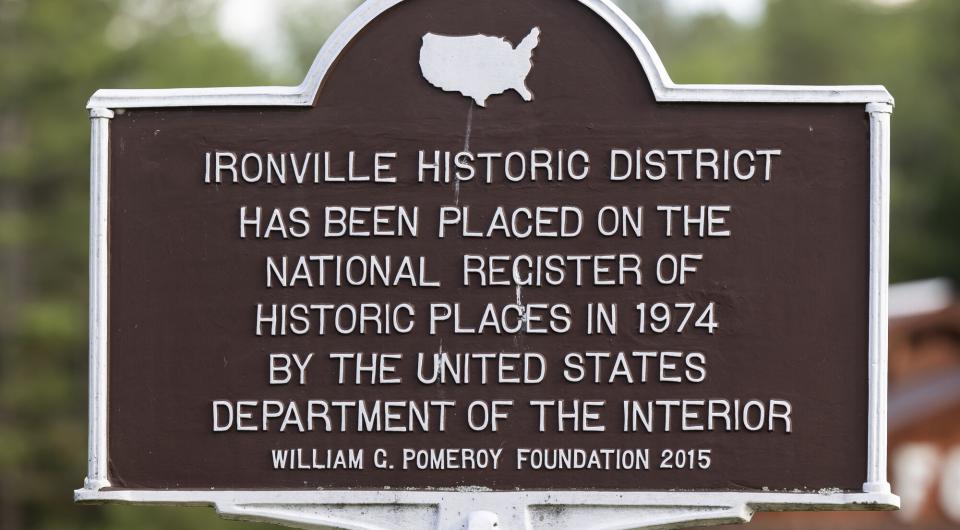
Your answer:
<point x="791" y="284"/>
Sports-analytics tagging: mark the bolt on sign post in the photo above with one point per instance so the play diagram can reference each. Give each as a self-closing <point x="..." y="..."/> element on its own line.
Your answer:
<point x="488" y="266"/>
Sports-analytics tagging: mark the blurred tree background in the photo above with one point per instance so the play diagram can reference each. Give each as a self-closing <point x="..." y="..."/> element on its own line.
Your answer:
<point x="55" y="53"/>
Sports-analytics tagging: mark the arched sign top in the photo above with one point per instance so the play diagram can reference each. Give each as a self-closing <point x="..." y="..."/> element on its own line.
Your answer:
<point x="663" y="88"/>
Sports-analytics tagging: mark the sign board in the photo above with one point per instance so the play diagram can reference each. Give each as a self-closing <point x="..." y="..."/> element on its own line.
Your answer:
<point x="489" y="266"/>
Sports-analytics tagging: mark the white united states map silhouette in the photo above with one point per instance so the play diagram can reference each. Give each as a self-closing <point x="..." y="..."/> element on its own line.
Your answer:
<point x="478" y="66"/>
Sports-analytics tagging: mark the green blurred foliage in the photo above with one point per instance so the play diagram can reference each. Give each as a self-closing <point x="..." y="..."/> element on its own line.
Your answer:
<point x="55" y="53"/>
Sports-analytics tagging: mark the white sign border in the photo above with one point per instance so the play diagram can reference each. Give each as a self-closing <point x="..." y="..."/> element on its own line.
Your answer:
<point x="477" y="509"/>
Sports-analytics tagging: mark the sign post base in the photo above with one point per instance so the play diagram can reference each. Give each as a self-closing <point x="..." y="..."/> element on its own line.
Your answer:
<point x="486" y="510"/>
<point x="518" y="518"/>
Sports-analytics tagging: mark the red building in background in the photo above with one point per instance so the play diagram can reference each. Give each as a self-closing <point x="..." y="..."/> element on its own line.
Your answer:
<point x="924" y="419"/>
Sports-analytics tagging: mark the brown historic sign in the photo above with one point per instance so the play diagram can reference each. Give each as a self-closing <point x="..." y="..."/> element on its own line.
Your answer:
<point x="491" y="247"/>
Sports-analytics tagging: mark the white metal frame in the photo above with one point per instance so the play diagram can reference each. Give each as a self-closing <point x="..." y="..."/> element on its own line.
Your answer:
<point x="475" y="509"/>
